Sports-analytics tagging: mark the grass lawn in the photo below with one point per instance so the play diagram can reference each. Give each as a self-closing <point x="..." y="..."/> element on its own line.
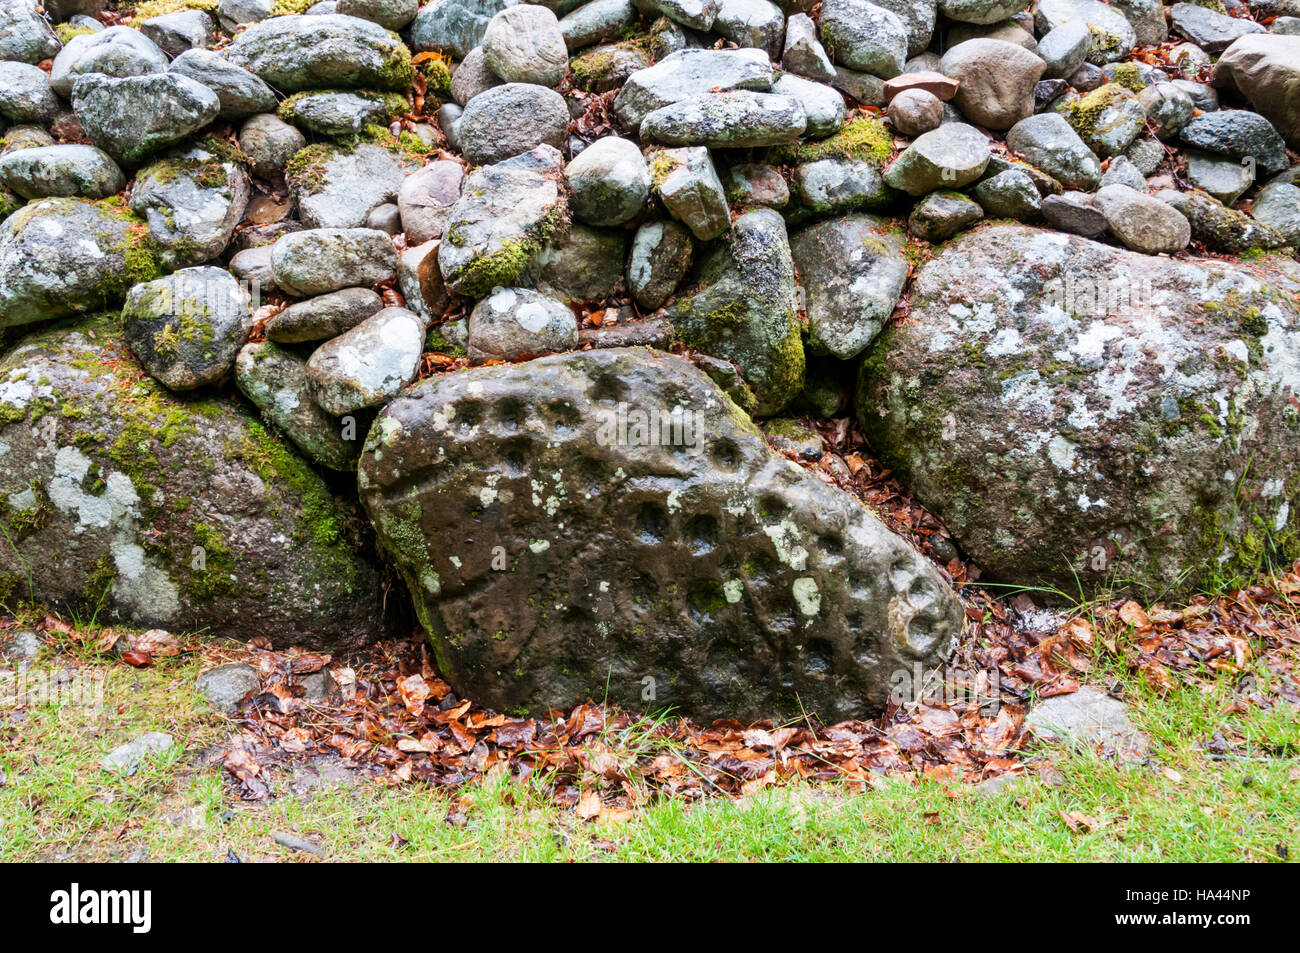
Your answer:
<point x="1189" y="802"/>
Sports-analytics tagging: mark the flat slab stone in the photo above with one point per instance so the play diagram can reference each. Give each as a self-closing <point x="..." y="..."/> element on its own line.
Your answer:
<point x="1087" y="717"/>
<point x="733" y="120"/>
<point x="689" y="73"/>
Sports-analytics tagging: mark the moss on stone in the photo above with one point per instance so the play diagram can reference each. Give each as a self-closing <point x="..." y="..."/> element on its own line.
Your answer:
<point x="66" y="31"/>
<point x="305" y="171"/>
<point x="394" y="104"/>
<point x="215" y="575"/>
<point x="437" y="79"/>
<point x="1128" y="76"/>
<point x="863" y="137"/>
<point x="1084" y="114"/>
<point x="156" y="8"/>
<point x="397" y="72"/>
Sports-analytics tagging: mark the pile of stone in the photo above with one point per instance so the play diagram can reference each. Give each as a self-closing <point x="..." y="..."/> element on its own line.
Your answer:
<point x="257" y="222"/>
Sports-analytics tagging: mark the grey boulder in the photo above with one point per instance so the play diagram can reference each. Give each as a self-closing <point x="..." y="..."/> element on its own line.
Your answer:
<point x="134" y="117"/>
<point x="64" y="170"/>
<point x="239" y="92"/>
<point x="511" y="119"/>
<point x="853" y="273"/>
<point x="192" y="200"/>
<point x="327" y="51"/>
<point x="60" y="256"/>
<point x="319" y="260"/>
<point x="524" y="44"/>
<point x="506" y="213"/>
<point x="274" y="379"/>
<point x="368" y="365"/>
<point x="514" y="323"/>
<point x="1126" y="423"/>
<point x="187" y="328"/>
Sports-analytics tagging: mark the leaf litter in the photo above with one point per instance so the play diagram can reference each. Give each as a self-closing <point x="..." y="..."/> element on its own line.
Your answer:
<point x="390" y="716"/>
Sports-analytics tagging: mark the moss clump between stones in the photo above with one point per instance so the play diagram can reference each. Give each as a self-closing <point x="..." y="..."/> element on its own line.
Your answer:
<point x="437" y="78"/>
<point x="1128" y="76"/>
<point x="156" y="8"/>
<point x="863" y="137"/>
<point x="140" y="253"/>
<point x="394" y="103"/>
<point x="66" y="31"/>
<point x="662" y="166"/>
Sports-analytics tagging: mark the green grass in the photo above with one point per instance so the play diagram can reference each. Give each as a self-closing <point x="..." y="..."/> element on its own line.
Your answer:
<point x="56" y="803"/>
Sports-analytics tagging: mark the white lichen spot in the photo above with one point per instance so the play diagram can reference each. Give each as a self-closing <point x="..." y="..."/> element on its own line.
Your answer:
<point x="732" y="590"/>
<point x="785" y="537"/>
<point x="144" y="589"/>
<point x="431" y="582"/>
<point x="807" y="596"/>
<point x="1061" y="452"/>
<point x="540" y="545"/>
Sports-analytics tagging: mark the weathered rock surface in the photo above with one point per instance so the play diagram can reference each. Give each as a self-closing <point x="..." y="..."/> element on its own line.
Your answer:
<point x="319" y="260"/>
<point x="187" y="328"/>
<point x="133" y="117"/>
<point x="368" y="365"/>
<point x="323" y="317"/>
<point x="1087" y="717"/>
<point x="736" y="120"/>
<point x="689" y="73"/>
<point x="338" y="187"/>
<point x="426" y="198"/>
<point x="1050" y="143"/>
<point x="327" y="51"/>
<point x="68" y="171"/>
<point x="515" y="323"/>
<point x="1266" y="70"/>
<point x="508" y="120"/>
<point x="864" y="37"/>
<point x="180" y="514"/>
<point x="997" y="81"/>
<point x="62" y="255"/>
<point x="853" y="273"/>
<point x="193" y="200"/>
<point x="240" y="92"/>
<point x="25" y="94"/>
<point x="735" y="580"/>
<point x="951" y="156"/>
<point x="274" y="379"/>
<point x="456" y="26"/>
<point x="116" y="52"/>
<point x="687" y="183"/>
<point x="25" y="36"/>
<point x="743" y="309"/>
<point x="506" y="213"/>
<point x="226" y="686"/>
<point x="659" y="258"/>
<point x="524" y="44"/>
<point x="1082" y="416"/>
<point x="609" y="180"/>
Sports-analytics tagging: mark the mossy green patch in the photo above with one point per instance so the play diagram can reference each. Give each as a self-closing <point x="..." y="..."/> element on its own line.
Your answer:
<point x="863" y="137"/>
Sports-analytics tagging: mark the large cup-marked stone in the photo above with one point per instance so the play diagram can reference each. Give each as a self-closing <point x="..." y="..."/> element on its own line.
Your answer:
<point x="576" y="525"/>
